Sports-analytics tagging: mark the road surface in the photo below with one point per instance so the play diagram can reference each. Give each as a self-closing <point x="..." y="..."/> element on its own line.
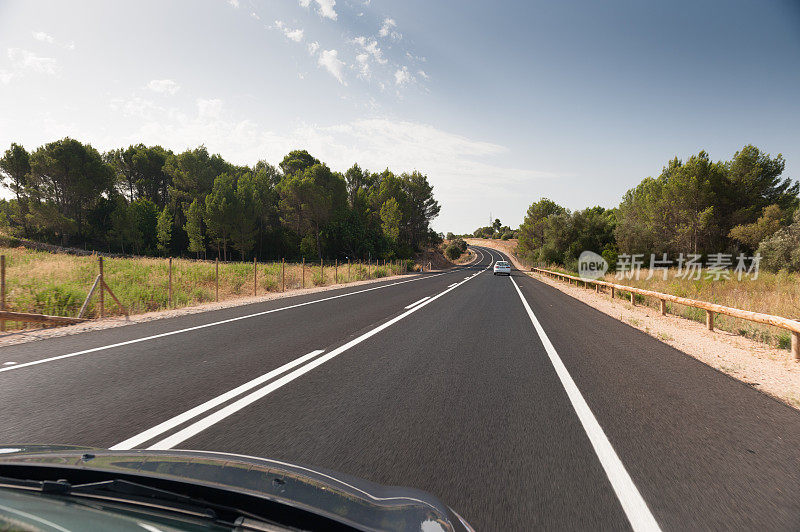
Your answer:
<point x="515" y="404"/>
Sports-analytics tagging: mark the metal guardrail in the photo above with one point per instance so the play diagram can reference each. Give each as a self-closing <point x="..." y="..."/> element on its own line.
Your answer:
<point x="711" y="309"/>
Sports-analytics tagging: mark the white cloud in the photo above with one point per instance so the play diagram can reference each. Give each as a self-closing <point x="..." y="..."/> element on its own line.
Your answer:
<point x="370" y="46"/>
<point x="210" y="109"/>
<point x="163" y="86"/>
<point x="330" y="60"/>
<point x="388" y="28"/>
<point x="313" y="47"/>
<point x="423" y="74"/>
<point x="363" y="65"/>
<point x="25" y="60"/>
<point x="44" y="37"/>
<point x="294" y="35"/>
<point x="402" y="76"/>
<point x="255" y="15"/>
<point x="324" y="7"/>
<point x="234" y="3"/>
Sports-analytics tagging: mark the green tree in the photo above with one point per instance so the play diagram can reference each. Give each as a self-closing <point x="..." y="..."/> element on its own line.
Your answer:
<point x="309" y="199"/>
<point x="297" y="161"/>
<point x="125" y="229"/>
<point x="164" y="230"/>
<point x="390" y="219"/>
<point x="194" y="228"/>
<point x="751" y="235"/>
<point x="192" y="173"/>
<point x="72" y="176"/>
<point x="531" y="231"/>
<point x="246" y="213"/>
<point x="755" y="182"/>
<point x="220" y="212"/>
<point x="145" y="216"/>
<point x="15" y="166"/>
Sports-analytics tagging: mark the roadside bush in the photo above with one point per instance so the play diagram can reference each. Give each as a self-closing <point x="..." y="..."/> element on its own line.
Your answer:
<point x="507" y="236"/>
<point x="782" y="249"/>
<point x="452" y="252"/>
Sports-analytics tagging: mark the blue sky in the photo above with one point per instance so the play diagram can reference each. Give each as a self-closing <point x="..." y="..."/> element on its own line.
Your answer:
<point x="498" y="102"/>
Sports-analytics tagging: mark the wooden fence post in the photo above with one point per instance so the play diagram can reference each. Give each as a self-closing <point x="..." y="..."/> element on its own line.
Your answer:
<point x="255" y="277"/>
<point x="216" y="277"/>
<point x="710" y="320"/>
<point x="283" y="275"/>
<point x="169" y="291"/>
<point x="102" y="292"/>
<point x="304" y="273"/>
<point x="633" y="299"/>
<point x="612" y="292"/>
<point x="2" y="290"/>
<point x="663" y="307"/>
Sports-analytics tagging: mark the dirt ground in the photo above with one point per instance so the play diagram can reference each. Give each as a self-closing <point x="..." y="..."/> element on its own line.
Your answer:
<point x="770" y="370"/>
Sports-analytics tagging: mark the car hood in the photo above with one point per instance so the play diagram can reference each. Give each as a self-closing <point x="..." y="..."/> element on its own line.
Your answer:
<point x="348" y="500"/>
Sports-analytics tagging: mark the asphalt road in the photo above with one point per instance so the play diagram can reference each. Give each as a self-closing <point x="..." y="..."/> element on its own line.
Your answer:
<point x="517" y="405"/>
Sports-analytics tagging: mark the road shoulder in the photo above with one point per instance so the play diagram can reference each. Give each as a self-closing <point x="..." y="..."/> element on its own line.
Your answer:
<point x="32" y="335"/>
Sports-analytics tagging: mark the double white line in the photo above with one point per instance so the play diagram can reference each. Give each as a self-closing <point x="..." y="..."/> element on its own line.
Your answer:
<point x="311" y="361"/>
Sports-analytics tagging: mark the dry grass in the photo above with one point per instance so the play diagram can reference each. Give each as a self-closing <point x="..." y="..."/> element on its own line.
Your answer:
<point x="57" y="284"/>
<point x="770" y="293"/>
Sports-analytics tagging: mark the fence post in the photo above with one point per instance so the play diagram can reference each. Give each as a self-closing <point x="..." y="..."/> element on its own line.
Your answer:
<point x="255" y="277"/>
<point x="2" y="290"/>
<point x="796" y="345"/>
<point x="303" y="267"/>
<point x="336" y="272"/>
<point x="710" y="320"/>
<point x="283" y="275"/>
<point x="169" y="291"/>
<point x="102" y="292"/>
<point x="322" y="272"/>
<point x="216" y="277"/>
<point x="612" y="292"/>
<point x="633" y="299"/>
<point x="663" y="307"/>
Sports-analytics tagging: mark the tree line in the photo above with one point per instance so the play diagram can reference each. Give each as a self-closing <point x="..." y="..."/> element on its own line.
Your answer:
<point x="698" y="206"/>
<point x="147" y="200"/>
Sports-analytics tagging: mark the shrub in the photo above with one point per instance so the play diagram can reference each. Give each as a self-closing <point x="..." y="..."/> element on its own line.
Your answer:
<point x="507" y="235"/>
<point x="452" y="252"/>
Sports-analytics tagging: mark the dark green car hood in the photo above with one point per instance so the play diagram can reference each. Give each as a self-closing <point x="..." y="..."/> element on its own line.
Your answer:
<point x="358" y="503"/>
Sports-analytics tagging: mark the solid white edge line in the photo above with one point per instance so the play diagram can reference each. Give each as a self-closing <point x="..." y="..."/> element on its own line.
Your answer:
<point x="173" y="422"/>
<point x="202" y="424"/>
<point x="633" y="504"/>
<point x="212" y="324"/>
<point x="418" y="302"/>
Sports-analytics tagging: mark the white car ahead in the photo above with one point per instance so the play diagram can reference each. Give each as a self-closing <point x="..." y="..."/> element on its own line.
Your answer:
<point x="502" y="267"/>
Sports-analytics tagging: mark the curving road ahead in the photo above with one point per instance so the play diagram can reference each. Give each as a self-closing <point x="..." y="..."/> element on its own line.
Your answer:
<point x="517" y="405"/>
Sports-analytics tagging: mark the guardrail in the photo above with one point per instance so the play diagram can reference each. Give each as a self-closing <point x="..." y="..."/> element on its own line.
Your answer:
<point x="711" y="309"/>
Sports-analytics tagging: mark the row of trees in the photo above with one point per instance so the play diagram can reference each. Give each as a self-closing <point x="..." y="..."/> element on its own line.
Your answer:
<point x="147" y="200"/>
<point x="744" y="205"/>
